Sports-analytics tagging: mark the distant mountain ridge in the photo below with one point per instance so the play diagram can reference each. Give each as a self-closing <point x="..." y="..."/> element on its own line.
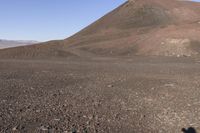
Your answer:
<point x="15" y="43"/>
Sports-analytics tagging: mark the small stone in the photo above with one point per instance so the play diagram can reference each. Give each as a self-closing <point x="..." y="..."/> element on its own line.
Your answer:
<point x="90" y="117"/>
<point x="43" y="128"/>
<point x="14" y="128"/>
<point x="169" y="85"/>
<point x="88" y="122"/>
<point x="37" y="111"/>
<point x="110" y="86"/>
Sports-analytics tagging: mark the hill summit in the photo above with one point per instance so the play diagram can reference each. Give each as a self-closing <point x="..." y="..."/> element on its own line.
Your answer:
<point x="138" y="27"/>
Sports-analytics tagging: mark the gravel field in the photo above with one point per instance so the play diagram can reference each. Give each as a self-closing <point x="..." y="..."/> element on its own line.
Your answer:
<point x="102" y="95"/>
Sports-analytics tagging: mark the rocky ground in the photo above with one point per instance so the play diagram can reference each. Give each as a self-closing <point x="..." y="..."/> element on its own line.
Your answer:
<point x="102" y="95"/>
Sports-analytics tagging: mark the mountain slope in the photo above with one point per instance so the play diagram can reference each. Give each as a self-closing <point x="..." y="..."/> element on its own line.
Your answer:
<point x="156" y="27"/>
<point x="138" y="27"/>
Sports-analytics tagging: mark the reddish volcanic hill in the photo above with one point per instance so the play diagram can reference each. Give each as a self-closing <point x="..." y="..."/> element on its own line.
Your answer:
<point x="138" y="27"/>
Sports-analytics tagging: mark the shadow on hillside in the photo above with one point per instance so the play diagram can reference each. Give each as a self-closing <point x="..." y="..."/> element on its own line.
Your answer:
<point x="189" y="130"/>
